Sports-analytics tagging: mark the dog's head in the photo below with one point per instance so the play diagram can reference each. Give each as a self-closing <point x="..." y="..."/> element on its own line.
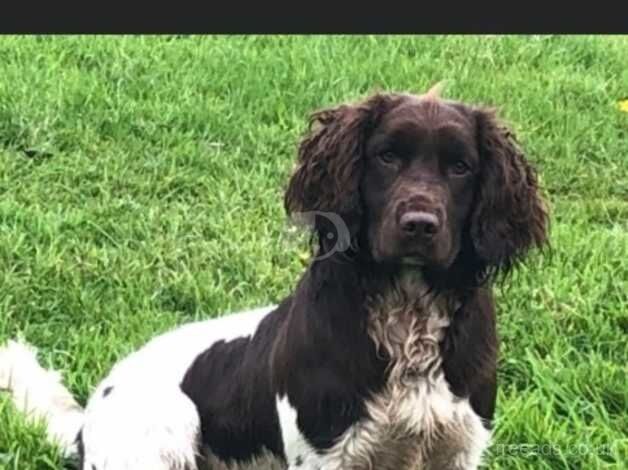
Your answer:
<point x="420" y="181"/>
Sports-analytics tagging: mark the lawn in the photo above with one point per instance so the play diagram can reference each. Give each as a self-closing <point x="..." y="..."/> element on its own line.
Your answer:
<point x="141" y="187"/>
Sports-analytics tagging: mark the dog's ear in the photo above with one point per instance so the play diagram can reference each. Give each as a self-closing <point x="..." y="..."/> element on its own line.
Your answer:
<point x="510" y="216"/>
<point x="330" y="161"/>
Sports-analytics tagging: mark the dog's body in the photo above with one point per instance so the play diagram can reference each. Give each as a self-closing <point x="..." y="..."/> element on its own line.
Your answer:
<point x="150" y="410"/>
<point x="384" y="356"/>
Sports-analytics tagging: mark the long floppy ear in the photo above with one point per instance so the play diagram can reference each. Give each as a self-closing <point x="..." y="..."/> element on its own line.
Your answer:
<point x="510" y="216"/>
<point x="329" y="166"/>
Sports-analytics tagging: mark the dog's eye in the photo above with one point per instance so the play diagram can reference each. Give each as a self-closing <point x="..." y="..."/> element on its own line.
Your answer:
<point x="387" y="158"/>
<point x="460" y="167"/>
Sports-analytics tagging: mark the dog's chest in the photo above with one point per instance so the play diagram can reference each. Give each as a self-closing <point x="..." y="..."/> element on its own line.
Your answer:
<point x="408" y="419"/>
<point x="414" y="421"/>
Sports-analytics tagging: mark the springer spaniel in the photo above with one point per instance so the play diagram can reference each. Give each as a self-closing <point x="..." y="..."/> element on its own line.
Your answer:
<point x="383" y="357"/>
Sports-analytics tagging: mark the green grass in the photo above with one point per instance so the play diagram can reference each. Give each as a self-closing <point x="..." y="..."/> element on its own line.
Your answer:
<point x="153" y="196"/>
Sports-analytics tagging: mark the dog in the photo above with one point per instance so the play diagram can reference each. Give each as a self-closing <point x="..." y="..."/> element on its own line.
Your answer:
<point x="384" y="354"/>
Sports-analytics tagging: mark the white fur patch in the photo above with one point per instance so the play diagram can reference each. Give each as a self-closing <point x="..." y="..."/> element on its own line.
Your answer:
<point x="133" y="428"/>
<point x="40" y="394"/>
<point x="299" y="453"/>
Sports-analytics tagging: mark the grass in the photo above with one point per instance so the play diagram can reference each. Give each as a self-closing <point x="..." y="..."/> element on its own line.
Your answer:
<point x="141" y="181"/>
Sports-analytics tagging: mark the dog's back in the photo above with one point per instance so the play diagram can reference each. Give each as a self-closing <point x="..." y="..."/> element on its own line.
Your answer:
<point x="137" y="408"/>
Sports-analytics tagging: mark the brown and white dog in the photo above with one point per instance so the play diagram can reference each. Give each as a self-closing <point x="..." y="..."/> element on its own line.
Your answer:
<point x="383" y="357"/>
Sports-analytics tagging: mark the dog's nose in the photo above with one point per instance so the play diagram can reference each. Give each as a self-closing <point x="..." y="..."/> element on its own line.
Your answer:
<point x="419" y="224"/>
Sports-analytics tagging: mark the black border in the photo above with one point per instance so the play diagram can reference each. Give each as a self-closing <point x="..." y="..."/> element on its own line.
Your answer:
<point x="381" y="17"/>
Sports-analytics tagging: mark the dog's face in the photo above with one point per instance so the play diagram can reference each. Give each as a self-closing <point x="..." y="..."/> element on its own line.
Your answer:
<point x="421" y="181"/>
<point x="420" y="172"/>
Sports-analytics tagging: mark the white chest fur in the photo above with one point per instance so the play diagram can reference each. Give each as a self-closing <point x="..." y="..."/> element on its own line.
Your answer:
<point x="415" y="422"/>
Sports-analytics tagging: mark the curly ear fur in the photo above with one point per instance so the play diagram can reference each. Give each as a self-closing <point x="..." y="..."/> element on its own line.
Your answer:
<point x="510" y="216"/>
<point x="329" y="165"/>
